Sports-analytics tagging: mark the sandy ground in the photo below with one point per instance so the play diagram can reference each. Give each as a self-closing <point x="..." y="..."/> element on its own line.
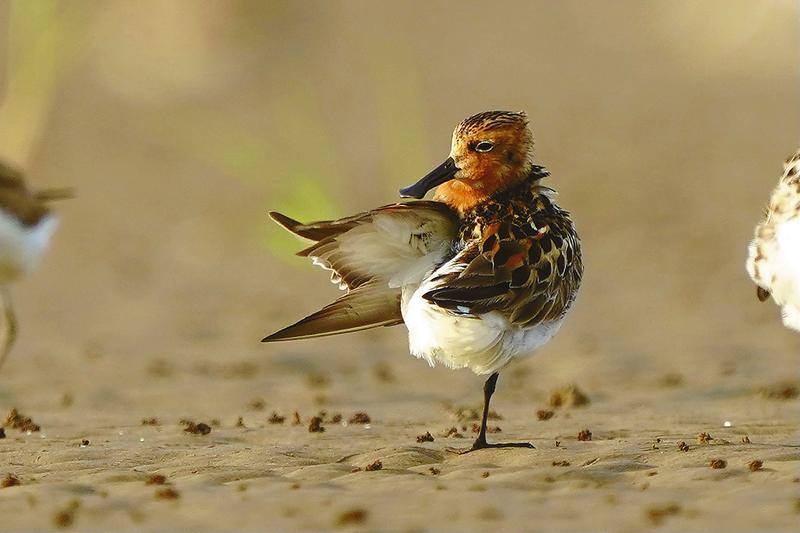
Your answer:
<point x="631" y="476"/>
<point x="181" y="127"/>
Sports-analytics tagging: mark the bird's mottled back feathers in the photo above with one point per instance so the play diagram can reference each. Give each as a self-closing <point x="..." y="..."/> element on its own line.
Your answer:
<point x="521" y="257"/>
<point x="774" y="254"/>
<point x="791" y="169"/>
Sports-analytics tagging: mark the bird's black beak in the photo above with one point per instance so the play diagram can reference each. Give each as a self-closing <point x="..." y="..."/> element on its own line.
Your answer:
<point x="435" y="177"/>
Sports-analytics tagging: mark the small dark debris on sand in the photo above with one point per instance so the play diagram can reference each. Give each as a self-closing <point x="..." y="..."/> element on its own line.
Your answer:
<point x="230" y="370"/>
<point x="2" y="433"/>
<point x="159" y="368"/>
<point x="275" y="418"/>
<point x="717" y="463"/>
<point x="434" y="471"/>
<point x="490" y="514"/>
<point x="85" y="443"/>
<point x="682" y="446"/>
<point x="745" y="440"/>
<point x="383" y="373"/>
<point x="657" y="514"/>
<point x="476" y="428"/>
<point x="333" y="419"/>
<point x="485" y="475"/>
<point x="21" y="422"/>
<point x="167" y="493"/>
<point x="296" y="421"/>
<point x="781" y="391"/>
<point x="427" y="437"/>
<point x="673" y="379"/>
<point x="452" y="432"/>
<point x="150" y="421"/>
<point x="240" y="422"/>
<point x="558" y="444"/>
<point x="584" y="435"/>
<point x="315" y="425"/>
<point x="570" y="396"/>
<point x="318" y="380"/>
<point x="257" y="405"/>
<point x="352" y="517"/>
<point x="66" y="517"/>
<point x="467" y="414"/>
<point x="67" y="399"/>
<point x="377" y="465"/>
<point x="320" y="399"/>
<point x="704" y="438"/>
<point x="10" y="481"/>
<point x="156" y="479"/>
<point x="755" y="465"/>
<point x="359" y="418"/>
<point x="544" y="414"/>
<point x="195" y="428"/>
<point x="561" y="463"/>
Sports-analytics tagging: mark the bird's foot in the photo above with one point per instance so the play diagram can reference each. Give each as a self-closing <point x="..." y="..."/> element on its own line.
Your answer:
<point x="482" y="445"/>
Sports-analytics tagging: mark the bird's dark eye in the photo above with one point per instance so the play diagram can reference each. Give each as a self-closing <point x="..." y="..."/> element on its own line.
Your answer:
<point x="484" y="146"/>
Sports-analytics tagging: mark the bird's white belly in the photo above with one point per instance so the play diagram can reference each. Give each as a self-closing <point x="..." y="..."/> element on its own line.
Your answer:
<point x="22" y="246"/>
<point x="484" y="344"/>
<point x="786" y="271"/>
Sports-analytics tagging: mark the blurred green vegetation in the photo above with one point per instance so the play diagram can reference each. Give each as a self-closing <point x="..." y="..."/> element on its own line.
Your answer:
<point x="407" y="148"/>
<point x="298" y="168"/>
<point x="43" y="41"/>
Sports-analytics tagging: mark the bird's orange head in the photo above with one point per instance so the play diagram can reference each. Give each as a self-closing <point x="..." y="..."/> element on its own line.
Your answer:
<point x="490" y="152"/>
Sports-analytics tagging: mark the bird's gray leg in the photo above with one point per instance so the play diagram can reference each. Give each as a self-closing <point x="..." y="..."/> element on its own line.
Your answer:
<point x="11" y="324"/>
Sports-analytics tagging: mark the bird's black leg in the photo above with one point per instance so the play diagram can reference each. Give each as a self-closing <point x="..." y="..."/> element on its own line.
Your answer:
<point x="480" y="442"/>
<point x="488" y="390"/>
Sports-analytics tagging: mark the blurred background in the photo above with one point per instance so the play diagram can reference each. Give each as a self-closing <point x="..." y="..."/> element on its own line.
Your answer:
<point x="181" y="123"/>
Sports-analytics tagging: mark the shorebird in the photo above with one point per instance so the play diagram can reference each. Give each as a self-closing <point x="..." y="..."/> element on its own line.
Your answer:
<point x="26" y="225"/>
<point x="774" y="254"/>
<point x="481" y="275"/>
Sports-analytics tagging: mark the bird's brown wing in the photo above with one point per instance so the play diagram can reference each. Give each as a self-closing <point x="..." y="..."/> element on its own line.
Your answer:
<point x="372" y="255"/>
<point x="26" y="206"/>
<point x="528" y="270"/>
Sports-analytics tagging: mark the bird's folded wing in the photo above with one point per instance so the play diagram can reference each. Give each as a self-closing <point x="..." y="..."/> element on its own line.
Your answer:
<point x="527" y="272"/>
